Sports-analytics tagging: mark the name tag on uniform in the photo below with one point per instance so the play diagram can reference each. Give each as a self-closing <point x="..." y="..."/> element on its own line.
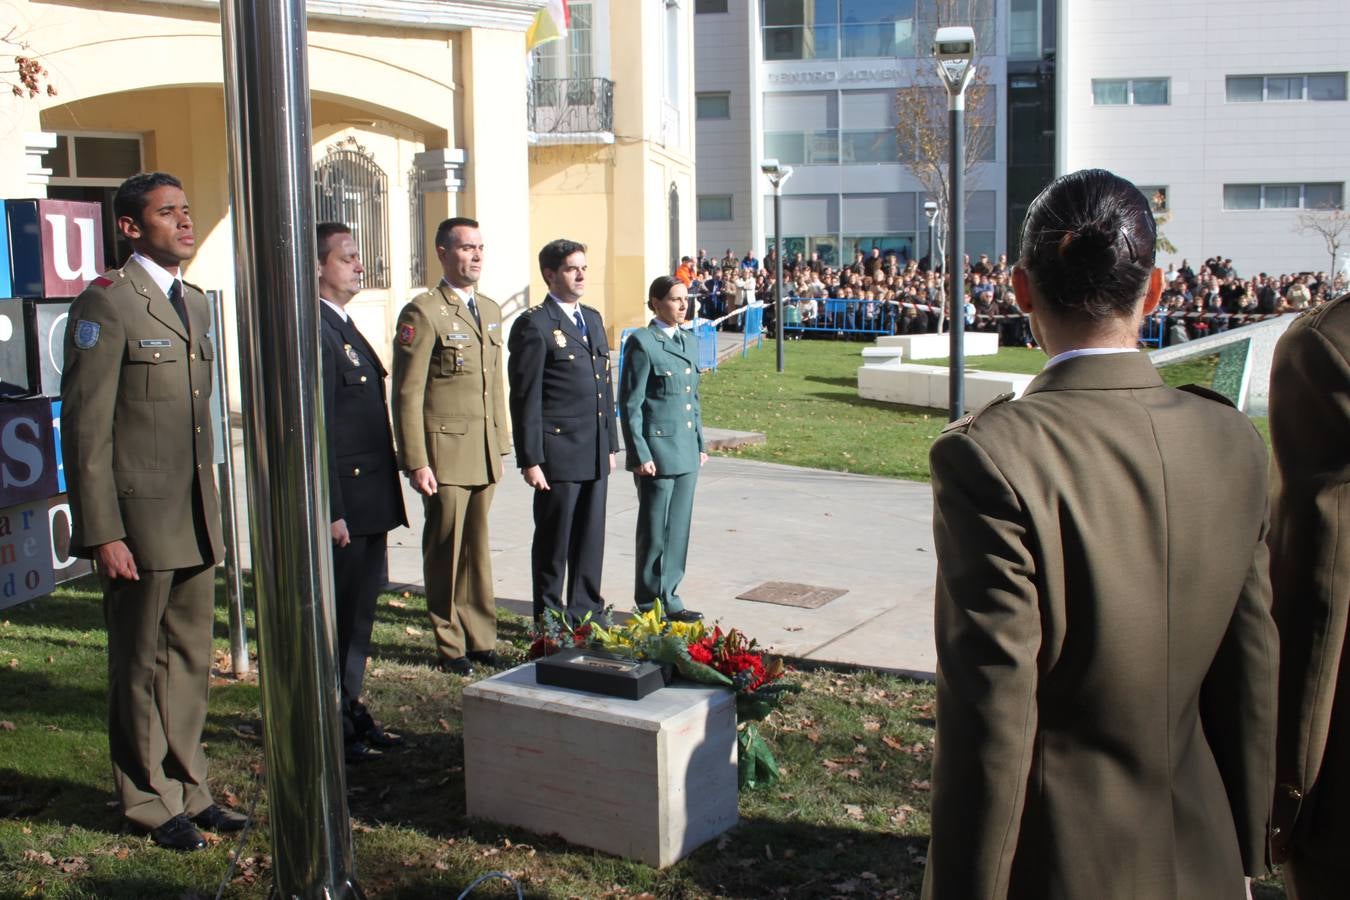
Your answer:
<point x="492" y="326"/>
<point x="457" y="336"/>
<point x="156" y="342"/>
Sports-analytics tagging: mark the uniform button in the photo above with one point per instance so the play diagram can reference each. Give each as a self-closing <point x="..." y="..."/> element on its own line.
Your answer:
<point x="687" y="388"/>
<point x="688" y="424"/>
<point x="363" y="379"/>
<point x="356" y="471"/>
<point x="192" y="356"/>
<point x="687" y="371"/>
<point x="599" y="396"/>
<point x="557" y="431"/>
<point x="599" y="414"/>
<point x="571" y="356"/>
<point x="196" y="392"/>
<point x="597" y="377"/>
<point x="199" y="465"/>
<point x="689" y="406"/>
<point x="198" y="429"/>
<point x="156" y="354"/>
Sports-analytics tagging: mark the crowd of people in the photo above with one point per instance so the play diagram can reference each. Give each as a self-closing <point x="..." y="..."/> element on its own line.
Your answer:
<point x="878" y="293"/>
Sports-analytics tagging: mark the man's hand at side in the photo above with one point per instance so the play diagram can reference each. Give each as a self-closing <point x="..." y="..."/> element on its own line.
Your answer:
<point x="115" y="561"/>
<point x="341" y="536"/>
<point x="423" y="481"/>
<point x="534" y="477"/>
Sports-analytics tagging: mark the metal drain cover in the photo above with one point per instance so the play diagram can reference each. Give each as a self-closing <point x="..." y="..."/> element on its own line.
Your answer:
<point x="787" y="593"/>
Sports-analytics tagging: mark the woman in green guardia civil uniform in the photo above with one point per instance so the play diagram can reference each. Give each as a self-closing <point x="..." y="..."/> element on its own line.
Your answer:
<point x="663" y="434"/>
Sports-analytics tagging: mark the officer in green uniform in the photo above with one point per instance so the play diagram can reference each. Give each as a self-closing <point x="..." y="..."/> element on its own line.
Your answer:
<point x="136" y="438"/>
<point x="663" y="433"/>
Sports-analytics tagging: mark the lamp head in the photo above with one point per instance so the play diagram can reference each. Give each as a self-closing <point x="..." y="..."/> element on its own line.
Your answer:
<point x="954" y="47"/>
<point x="930" y="209"/>
<point x="776" y="173"/>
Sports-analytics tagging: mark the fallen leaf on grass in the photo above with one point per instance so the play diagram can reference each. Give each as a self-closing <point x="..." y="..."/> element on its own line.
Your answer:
<point x="853" y="774"/>
<point x="893" y="742"/>
<point x="6" y="726"/>
<point x="229" y="798"/>
<point x="411" y="631"/>
<point x="444" y="725"/>
<point x="42" y="857"/>
<point x="853" y="811"/>
<point x="398" y="604"/>
<point x="813" y="737"/>
<point x="871" y="725"/>
<point x="438" y="865"/>
<point x="923" y="785"/>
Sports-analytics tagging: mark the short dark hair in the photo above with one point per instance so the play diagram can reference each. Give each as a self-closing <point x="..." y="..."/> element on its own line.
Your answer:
<point x="129" y="201"/>
<point x="554" y="252"/>
<point x="326" y="230"/>
<point x="660" y="287"/>
<point x="1089" y="242"/>
<point x="443" y="230"/>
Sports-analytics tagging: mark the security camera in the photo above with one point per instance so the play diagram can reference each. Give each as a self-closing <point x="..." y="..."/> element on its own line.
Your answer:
<point x="769" y="167"/>
<point x="955" y="42"/>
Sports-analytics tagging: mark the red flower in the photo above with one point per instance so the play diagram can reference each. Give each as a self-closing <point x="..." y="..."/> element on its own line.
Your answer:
<point x="542" y="647"/>
<point x="701" y="651"/>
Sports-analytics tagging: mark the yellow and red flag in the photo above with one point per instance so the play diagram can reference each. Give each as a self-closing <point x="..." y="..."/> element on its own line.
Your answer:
<point x="550" y="24"/>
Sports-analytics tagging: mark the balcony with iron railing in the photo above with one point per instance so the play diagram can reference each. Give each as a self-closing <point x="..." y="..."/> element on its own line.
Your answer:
<point x="571" y="110"/>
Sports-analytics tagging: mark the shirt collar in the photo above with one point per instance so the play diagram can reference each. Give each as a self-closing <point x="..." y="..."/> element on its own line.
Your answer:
<point x="464" y="296"/>
<point x="1087" y="351"/>
<point x="570" y="308"/>
<point x="342" y="313"/>
<point x="162" y="278"/>
<point x="667" y="330"/>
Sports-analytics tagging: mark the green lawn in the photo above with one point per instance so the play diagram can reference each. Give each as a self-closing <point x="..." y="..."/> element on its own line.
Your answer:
<point x="849" y="817"/>
<point x="811" y="415"/>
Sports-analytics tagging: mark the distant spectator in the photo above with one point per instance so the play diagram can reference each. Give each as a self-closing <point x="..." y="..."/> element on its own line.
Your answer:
<point x="684" y="274"/>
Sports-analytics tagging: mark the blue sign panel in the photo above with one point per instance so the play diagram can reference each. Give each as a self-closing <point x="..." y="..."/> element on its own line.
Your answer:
<point x="6" y="282"/>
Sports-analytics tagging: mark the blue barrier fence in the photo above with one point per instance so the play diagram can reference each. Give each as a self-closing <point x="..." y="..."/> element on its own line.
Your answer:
<point x="752" y="329"/>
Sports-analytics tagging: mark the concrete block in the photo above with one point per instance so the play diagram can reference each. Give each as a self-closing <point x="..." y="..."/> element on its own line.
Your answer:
<point x="938" y="346"/>
<point x="919" y="385"/>
<point x="648" y="780"/>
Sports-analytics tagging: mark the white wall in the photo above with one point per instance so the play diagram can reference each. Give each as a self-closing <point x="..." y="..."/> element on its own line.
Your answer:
<point x="724" y="148"/>
<point x="1199" y="141"/>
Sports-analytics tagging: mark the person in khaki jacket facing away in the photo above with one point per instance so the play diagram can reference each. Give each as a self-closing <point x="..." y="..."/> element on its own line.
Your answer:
<point x="450" y="424"/>
<point x="663" y="433"/>
<point x="1310" y="572"/>
<point x="1105" y="678"/>
<point x="136" y="439"/>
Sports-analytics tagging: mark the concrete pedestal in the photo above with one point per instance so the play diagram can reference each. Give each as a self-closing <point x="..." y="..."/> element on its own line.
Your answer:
<point x="892" y="381"/>
<point x="938" y="346"/>
<point x="647" y="779"/>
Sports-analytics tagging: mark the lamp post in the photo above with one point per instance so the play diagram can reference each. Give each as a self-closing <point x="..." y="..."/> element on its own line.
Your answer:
<point x="777" y="175"/>
<point x="954" y="48"/>
<point x="930" y="211"/>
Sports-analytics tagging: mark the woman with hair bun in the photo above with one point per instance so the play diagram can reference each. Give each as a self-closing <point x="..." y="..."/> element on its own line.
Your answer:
<point x="1106" y="654"/>
<point x="663" y="436"/>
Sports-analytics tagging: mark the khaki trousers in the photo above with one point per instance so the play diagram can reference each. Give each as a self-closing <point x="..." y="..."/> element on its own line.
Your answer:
<point x="159" y="665"/>
<point x="457" y="569"/>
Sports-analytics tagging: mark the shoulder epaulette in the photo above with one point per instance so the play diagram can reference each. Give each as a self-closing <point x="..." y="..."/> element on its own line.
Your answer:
<point x="101" y="281"/>
<point x="1207" y="393"/>
<point x="966" y="420"/>
<point x="193" y="286"/>
<point x="591" y="308"/>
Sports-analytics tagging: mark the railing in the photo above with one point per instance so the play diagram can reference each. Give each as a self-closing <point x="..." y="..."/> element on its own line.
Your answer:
<point x="570" y="105"/>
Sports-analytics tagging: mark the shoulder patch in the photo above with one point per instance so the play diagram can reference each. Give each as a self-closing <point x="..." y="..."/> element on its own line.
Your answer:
<point x="969" y="418"/>
<point x="86" y="334"/>
<point x="406" y="333"/>
<point x="102" y="281"/>
<point x="1207" y="393"/>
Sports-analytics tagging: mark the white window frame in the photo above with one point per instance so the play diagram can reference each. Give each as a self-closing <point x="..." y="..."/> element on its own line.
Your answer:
<point x="77" y="181"/>
<point x="1265" y="87"/>
<point x="702" y="95"/>
<point x="1129" y="90"/>
<point x="1302" y="195"/>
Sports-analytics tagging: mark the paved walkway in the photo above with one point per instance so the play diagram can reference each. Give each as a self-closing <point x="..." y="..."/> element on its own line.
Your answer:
<point x="754" y="522"/>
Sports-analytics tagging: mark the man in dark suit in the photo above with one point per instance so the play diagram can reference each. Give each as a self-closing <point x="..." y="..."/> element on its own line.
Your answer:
<point x="365" y="500"/>
<point x="1310" y="575"/>
<point x="562" y="412"/>
<point x="136" y="438"/>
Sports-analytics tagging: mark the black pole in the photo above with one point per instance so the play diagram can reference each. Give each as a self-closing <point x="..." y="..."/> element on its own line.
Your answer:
<point x="778" y="279"/>
<point x="956" y="266"/>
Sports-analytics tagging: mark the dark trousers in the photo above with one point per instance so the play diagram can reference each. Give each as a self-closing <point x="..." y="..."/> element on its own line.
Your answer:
<point x="569" y="546"/>
<point x="358" y="575"/>
<point x="1307" y="878"/>
<point x="665" y="513"/>
<point x="159" y="667"/>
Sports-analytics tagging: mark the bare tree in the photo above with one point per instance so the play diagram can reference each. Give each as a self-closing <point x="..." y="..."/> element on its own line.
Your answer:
<point x="1332" y="225"/>
<point x="29" y="77"/>
<point x="922" y="128"/>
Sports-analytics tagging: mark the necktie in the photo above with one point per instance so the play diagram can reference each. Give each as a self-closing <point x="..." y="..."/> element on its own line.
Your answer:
<point x="581" y="325"/>
<point x="473" y="309"/>
<point x="176" y="300"/>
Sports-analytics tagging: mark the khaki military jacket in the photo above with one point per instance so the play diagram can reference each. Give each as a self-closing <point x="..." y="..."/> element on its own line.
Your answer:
<point x="449" y="405"/>
<point x="1106" y="653"/>
<point x="1310" y="573"/>
<point x="658" y="394"/>
<point x="136" y="423"/>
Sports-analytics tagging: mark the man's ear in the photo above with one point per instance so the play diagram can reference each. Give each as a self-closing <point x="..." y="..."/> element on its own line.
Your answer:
<point x="129" y="227"/>
<point x="1022" y="289"/>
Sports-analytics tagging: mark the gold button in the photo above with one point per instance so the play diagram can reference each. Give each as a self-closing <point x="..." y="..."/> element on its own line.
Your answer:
<point x="687" y="371"/>
<point x="156" y="354"/>
<point x="687" y="389"/>
<point x="597" y="377"/>
<point x="196" y="393"/>
<point x="688" y="424"/>
<point x="689" y="406"/>
<point x="571" y="356"/>
<point x="557" y="431"/>
<point x="363" y="379"/>
<point x="356" y="471"/>
<point x="668" y="372"/>
<point x="199" y="465"/>
<point x="192" y="356"/>
<point x="599" y="414"/>
<point x="198" y="429"/>
<point x="599" y="396"/>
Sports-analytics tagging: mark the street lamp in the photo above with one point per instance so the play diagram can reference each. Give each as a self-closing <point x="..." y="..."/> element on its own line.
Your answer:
<point x="930" y="211"/>
<point x="954" y="48"/>
<point x="777" y="175"/>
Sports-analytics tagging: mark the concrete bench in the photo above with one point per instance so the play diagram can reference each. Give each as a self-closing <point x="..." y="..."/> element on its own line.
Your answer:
<point x="938" y="346"/>
<point x="919" y="385"/>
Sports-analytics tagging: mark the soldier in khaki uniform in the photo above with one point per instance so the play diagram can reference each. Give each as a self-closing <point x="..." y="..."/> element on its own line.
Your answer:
<point x="136" y="438"/>
<point x="450" y="421"/>
<point x="1310" y="573"/>
<point x="1106" y="653"/>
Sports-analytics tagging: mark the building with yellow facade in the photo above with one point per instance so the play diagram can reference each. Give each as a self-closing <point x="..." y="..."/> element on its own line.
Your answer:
<point x="420" y="109"/>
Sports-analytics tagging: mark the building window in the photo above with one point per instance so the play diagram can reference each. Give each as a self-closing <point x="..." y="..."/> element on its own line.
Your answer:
<point x="1157" y="196"/>
<point x="1130" y="91"/>
<point x="713" y="105"/>
<point x="709" y="6"/>
<point x="91" y="158"/>
<point x="573" y="56"/>
<point x="1313" y="195"/>
<point x="849" y="29"/>
<point x="349" y="187"/>
<point x="1258" y="88"/>
<point x="1024" y="29"/>
<point x="714" y="208"/>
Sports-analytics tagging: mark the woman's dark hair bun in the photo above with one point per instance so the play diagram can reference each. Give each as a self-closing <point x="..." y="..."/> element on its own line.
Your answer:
<point x="1088" y="243"/>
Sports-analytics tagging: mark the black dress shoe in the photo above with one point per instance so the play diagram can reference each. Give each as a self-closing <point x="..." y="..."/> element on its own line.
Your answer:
<point x="216" y="818"/>
<point x="457" y="666"/>
<point x="359" y="752"/>
<point x="178" y="834"/>
<point x="487" y="658"/>
<point x="685" y="615"/>
<point x="376" y="736"/>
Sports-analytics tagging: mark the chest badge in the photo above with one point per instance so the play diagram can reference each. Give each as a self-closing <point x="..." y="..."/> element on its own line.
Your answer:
<point x="559" y="338"/>
<point x="445" y="311"/>
<point x="351" y="354"/>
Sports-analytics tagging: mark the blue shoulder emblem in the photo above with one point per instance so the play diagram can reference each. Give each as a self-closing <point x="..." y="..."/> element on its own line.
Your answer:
<point x="86" y="334"/>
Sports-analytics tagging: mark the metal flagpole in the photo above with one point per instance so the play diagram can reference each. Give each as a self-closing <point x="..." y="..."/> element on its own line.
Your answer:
<point x="229" y="514"/>
<point x="271" y="190"/>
